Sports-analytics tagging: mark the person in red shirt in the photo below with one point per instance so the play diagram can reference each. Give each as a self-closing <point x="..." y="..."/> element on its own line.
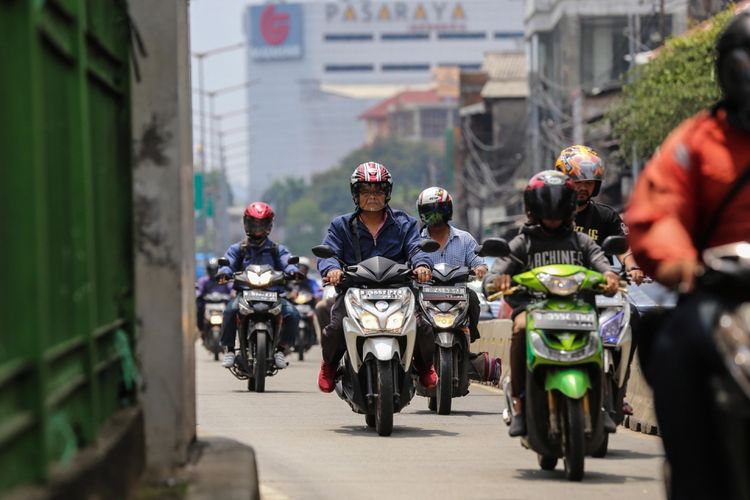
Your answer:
<point x="673" y="215"/>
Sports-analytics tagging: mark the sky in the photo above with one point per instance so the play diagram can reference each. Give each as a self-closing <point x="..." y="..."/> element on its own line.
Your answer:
<point x="215" y="24"/>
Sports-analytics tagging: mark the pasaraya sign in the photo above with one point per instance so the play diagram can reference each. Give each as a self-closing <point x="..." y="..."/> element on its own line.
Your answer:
<point x="276" y="31"/>
<point x="367" y="11"/>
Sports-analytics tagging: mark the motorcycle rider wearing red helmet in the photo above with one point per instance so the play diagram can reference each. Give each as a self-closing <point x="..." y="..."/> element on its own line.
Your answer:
<point x="257" y="248"/>
<point x="373" y="229"/>
<point x="548" y="237"/>
<point x="693" y="195"/>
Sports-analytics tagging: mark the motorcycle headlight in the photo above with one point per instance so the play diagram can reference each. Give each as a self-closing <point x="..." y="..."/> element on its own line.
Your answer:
<point x="368" y="321"/>
<point x="542" y="350"/>
<point x="444" y="320"/>
<point x="561" y="285"/>
<point x="610" y="328"/>
<point x="259" y="279"/>
<point x="395" y="321"/>
<point x="215" y="320"/>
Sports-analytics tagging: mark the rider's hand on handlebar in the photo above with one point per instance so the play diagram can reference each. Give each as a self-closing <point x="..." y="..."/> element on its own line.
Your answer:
<point x="636" y="275"/>
<point x="480" y="272"/>
<point x="502" y="282"/>
<point x="423" y="274"/>
<point x="334" y="276"/>
<point x="222" y="279"/>
<point x="612" y="283"/>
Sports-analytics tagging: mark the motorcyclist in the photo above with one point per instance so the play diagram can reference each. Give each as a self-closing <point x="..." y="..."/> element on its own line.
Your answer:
<point x="547" y="238"/>
<point x="306" y="282"/>
<point x="373" y="229"/>
<point x="257" y="248"/>
<point x="677" y="210"/>
<point x="207" y="284"/>
<point x="457" y="248"/>
<point x="585" y="168"/>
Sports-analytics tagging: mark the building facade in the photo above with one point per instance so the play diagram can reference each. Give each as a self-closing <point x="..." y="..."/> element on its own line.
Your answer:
<point x="315" y="66"/>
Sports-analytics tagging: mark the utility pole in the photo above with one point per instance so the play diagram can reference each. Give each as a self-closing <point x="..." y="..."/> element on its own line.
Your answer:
<point x="662" y="22"/>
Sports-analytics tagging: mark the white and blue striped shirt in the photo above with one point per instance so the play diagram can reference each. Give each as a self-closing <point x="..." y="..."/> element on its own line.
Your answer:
<point x="458" y="250"/>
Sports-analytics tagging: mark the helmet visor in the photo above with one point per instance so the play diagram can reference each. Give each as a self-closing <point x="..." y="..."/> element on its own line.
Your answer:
<point x="434" y="213"/>
<point x="257" y="227"/>
<point x="553" y="202"/>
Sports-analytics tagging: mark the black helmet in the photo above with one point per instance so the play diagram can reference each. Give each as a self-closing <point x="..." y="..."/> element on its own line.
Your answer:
<point x="733" y="67"/>
<point x="550" y="195"/>
<point x="212" y="267"/>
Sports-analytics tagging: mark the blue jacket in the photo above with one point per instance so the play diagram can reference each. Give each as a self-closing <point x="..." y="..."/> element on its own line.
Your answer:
<point x="397" y="240"/>
<point x="207" y="285"/>
<point x="259" y="256"/>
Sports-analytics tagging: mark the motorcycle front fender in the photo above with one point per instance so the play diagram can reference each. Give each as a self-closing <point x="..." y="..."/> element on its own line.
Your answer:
<point x="381" y="348"/>
<point x="446" y="339"/>
<point x="572" y="382"/>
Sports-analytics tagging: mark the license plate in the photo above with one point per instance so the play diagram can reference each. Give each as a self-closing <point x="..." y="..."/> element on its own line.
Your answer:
<point x="260" y="295"/>
<point x="564" y="320"/>
<point x="381" y="294"/>
<point x="436" y="293"/>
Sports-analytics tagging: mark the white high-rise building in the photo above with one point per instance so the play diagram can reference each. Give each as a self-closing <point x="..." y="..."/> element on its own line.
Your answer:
<point x="315" y="66"/>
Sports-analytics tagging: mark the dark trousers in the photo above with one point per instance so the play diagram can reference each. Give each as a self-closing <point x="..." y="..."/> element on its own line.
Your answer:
<point x="681" y="364"/>
<point x="289" y="324"/>
<point x="200" y="310"/>
<point x="473" y="315"/>
<point x="334" y="345"/>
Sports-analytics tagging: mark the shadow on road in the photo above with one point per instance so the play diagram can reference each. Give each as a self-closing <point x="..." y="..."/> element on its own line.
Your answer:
<point x="399" y="431"/>
<point x="590" y="477"/>
<point x="272" y="391"/>
<point x="629" y="454"/>
<point x="460" y="413"/>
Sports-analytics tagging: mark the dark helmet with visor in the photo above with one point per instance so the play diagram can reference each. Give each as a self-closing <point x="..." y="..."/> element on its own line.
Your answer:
<point x="550" y="195"/>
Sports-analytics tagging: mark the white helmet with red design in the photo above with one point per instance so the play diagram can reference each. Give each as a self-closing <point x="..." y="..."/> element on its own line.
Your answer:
<point x="435" y="206"/>
<point x="371" y="173"/>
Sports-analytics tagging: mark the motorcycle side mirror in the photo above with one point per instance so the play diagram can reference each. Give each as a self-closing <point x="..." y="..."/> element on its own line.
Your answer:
<point x="615" y="245"/>
<point x="493" y="247"/>
<point x="223" y="261"/>
<point x="323" y="252"/>
<point x="429" y="246"/>
<point x="293" y="260"/>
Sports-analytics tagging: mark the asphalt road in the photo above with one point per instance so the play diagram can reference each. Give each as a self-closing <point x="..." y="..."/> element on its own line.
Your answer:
<point x="310" y="445"/>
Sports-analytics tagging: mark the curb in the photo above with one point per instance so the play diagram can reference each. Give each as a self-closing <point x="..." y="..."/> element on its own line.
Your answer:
<point x="222" y="468"/>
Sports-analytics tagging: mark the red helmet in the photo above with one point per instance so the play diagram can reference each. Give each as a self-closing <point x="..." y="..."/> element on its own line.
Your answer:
<point x="258" y="220"/>
<point x="371" y="173"/>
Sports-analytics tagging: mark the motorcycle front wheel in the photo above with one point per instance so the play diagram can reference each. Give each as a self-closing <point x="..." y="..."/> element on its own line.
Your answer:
<point x="444" y="391"/>
<point x="260" y="362"/>
<point x="574" y="442"/>
<point x="300" y="347"/>
<point x="384" y="401"/>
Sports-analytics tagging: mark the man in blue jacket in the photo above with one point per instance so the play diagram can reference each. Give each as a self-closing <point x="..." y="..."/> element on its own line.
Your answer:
<point x="258" y="249"/>
<point x="373" y="229"/>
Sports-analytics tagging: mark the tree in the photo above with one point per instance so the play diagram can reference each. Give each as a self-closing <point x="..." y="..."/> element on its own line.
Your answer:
<point x="282" y="193"/>
<point x="673" y="86"/>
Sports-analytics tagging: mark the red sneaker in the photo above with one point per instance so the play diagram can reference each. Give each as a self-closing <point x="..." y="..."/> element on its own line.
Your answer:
<point x="327" y="377"/>
<point x="428" y="378"/>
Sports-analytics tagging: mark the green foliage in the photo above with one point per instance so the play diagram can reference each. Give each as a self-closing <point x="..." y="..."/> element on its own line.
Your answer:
<point x="308" y="213"/>
<point x="282" y="193"/>
<point x="676" y="84"/>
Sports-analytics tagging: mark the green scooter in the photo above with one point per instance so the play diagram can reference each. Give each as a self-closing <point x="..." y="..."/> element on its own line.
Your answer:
<point x="563" y="359"/>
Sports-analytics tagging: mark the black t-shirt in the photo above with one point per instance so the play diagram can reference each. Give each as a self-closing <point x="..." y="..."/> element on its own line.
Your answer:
<point x="599" y="221"/>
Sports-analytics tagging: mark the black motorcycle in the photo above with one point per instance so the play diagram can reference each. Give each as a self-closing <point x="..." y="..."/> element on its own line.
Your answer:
<point x="258" y="322"/>
<point x="445" y="304"/>
<point x="304" y="301"/>
<point x="213" y="316"/>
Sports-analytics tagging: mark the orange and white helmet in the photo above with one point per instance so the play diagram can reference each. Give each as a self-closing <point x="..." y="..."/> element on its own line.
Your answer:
<point x="581" y="163"/>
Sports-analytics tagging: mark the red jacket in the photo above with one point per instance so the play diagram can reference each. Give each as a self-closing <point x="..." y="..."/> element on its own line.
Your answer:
<point x="681" y="188"/>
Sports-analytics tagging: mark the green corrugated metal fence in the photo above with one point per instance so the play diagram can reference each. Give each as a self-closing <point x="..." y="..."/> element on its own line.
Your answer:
<point x="66" y="282"/>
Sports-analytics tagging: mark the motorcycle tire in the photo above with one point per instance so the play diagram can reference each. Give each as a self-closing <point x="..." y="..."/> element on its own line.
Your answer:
<point x="259" y="367"/>
<point x="545" y="462"/>
<point x="370" y="420"/>
<point x="574" y="441"/>
<point x="601" y="451"/>
<point x="432" y="403"/>
<point x="444" y="390"/>
<point x="384" y="400"/>
<point x="216" y="355"/>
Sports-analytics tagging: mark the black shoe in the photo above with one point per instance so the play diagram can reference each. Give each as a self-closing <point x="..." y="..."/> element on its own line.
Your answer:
<point x="517" y="426"/>
<point x="609" y="424"/>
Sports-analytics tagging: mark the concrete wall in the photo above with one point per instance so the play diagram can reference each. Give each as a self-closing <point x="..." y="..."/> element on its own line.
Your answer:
<point x="496" y="340"/>
<point x="163" y="192"/>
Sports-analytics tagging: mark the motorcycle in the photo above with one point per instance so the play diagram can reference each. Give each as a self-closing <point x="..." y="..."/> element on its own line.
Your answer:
<point x="727" y="279"/>
<point x="305" y="303"/>
<point x="445" y="304"/>
<point x="564" y="361"/>
<point x="375" y="376"/>
<point x="213" y="317"/>
<point x="258" y="322"/>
